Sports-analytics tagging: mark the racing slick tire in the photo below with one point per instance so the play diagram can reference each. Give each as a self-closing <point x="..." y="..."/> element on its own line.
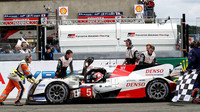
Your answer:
<point x="57" y="93"/>
<point x="157" y="90"/>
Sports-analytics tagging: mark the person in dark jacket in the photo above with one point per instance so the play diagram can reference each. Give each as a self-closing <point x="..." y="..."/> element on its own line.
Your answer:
<point x="48" y="55"/>
<point x="194" y="64"/>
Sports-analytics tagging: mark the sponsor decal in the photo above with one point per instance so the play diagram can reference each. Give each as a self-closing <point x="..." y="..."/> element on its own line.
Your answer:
<point x="71" y="36"/>
<point x="131" y="34"/>
<point x="139" y="84"/>
<point x="146" y="35"/>
<point x="130" y="80"/>
<point x="154" y="72"/>
<point x="24" y="19"/>
<point x="178" y="69"/>
<point x="1" y="79"/>
<point x="72" y="83"/>
<point x="108" y="86"/>
<point x="142" y="80"/>
<point x="139" y="8"/>
<point x="45" y="74"/>
<point x="41" y="85"/>
<point x="100" y="13"/>
<point x="63" y="11"/>
<point x="123" y="67"/>
<point x="39" y="98"/>
<point x="85" y="35"/>
<point x="99" y="17"/>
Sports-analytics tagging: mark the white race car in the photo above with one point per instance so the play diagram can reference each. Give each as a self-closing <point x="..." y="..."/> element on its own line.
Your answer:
<point x="123" y="81"/>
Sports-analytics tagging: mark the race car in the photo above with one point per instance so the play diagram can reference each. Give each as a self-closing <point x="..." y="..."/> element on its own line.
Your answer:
<point x="122" y="81"/>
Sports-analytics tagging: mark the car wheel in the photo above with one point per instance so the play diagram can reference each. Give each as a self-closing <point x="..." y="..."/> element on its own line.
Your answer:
<point x="157" y="90"/>
<point x="57" y="93"/>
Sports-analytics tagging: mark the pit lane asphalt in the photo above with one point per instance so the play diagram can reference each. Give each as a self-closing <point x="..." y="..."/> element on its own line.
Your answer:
<point x="133" y="105"/>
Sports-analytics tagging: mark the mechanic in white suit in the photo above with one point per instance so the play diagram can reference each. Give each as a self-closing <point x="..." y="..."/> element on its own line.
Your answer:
<point x="148" y="57"/>
<point x="63" y="63"/>
<point x="132" y="54"/>
<point x="24" y="48"/>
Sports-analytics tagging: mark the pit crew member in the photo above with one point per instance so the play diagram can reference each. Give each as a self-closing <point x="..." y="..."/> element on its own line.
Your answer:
<point x="132" y="54"/>
<point x="16" y="80"/>
<point x="63" y="63"/>
<point x="148" y="57"/>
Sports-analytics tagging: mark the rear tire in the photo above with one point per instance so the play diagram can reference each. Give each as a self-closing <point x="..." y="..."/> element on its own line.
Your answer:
<point x="157" y="90"/>
<point x="57" y="93"/>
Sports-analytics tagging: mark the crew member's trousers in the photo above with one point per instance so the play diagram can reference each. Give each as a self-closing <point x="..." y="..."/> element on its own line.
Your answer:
<point x="11" y="85"/>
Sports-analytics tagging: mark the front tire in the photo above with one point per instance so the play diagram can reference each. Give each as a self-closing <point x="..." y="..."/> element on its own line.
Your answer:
<point x="157" y="90"/>
<point x="57" y="93"/>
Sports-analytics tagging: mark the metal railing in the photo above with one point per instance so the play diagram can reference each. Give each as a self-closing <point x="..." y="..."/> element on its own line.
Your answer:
<point x="102" y="21"/>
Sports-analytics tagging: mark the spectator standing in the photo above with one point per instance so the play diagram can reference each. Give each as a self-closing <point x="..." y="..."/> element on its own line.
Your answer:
<point x="178" y="47"/>
<point x="57" y="47"/>
<point x="6" y="49"/>
<point x="145" y="3"/>
<point x="17" y="49"/>
<point x="25" y="48"/>
<point x="151" y="4"/>
<point x="190" y="42"/>
<point x="48" y="55"/>
<point x="150" y="9"/>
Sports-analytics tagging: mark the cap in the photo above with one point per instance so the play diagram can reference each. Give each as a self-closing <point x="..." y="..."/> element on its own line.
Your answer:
<point x="127" y="40"/>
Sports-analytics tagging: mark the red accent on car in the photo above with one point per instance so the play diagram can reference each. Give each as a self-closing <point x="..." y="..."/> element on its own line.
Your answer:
<point x="1" y="79"/>
<point x="172" y="87"/>
<point x="123" y="70"/>
<point x="136" y="93"/>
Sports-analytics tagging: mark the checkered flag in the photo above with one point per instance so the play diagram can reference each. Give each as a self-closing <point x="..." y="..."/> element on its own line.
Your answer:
<point x="185" y="86"/>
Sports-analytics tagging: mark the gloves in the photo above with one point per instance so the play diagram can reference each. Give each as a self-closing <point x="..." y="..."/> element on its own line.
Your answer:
<point x="29" y="80"/>
<point x="33" y="80"/>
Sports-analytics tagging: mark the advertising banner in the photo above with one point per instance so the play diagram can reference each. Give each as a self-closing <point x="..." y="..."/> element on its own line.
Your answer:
<point x="139" y="8"/>
<point x="63" y="11"/>
<point x="24" y="19"/>
<point x="97" y="17"/>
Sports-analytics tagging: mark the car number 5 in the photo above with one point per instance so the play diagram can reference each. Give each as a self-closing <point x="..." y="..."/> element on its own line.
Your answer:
<point x="89" y="92"/>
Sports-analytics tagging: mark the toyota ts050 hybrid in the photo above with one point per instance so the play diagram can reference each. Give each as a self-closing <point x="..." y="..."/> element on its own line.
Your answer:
<point x="122" y="81"/>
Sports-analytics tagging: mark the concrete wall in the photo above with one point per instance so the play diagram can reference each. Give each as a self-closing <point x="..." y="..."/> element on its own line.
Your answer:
<point x="74" y="6"/>
<point x="83" y="56"/>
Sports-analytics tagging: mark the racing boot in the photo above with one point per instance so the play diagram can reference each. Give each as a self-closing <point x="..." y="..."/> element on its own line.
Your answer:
<point x="1" y="103"/>
<point x="17" y="103"/>
<point x="196" y="100"/>
<point x="194" y="95"/>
